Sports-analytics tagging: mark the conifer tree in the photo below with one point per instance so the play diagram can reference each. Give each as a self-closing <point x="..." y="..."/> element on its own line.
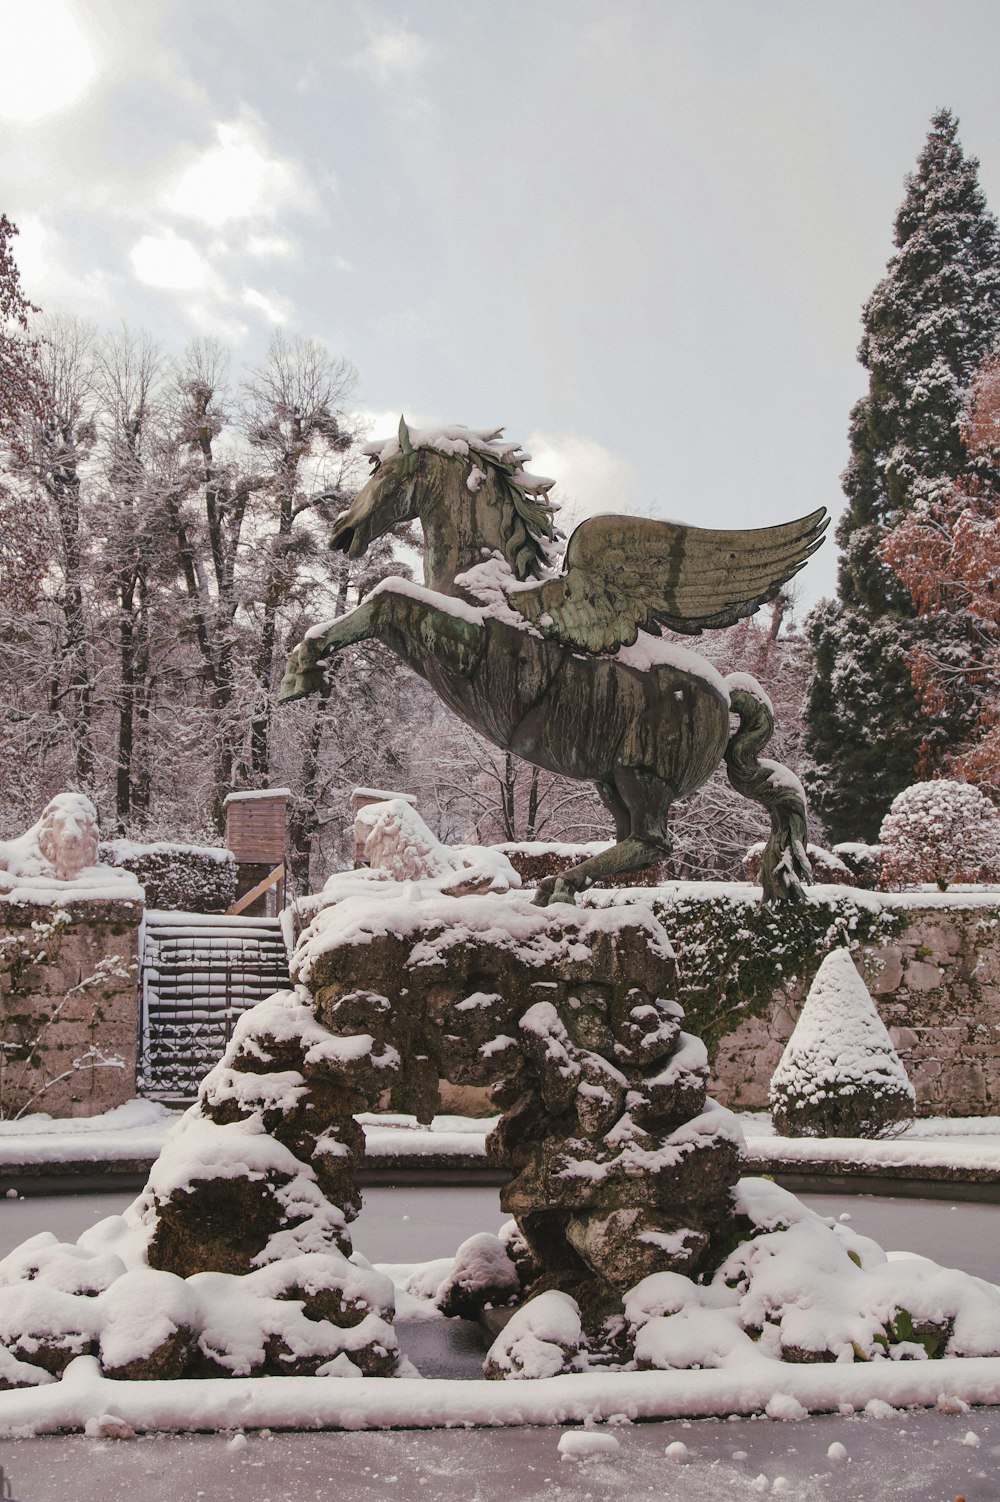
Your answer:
<point x="926" y="328"/>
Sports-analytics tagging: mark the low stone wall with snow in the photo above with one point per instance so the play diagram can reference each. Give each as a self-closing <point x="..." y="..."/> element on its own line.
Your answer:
<point x="937" y="988"/>
<point x="68" y="1005"/>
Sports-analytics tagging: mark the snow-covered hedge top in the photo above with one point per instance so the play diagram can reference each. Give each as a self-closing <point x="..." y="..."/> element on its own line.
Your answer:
<point x="178" y="877"/>
<point x="563" y="848"/>
<point x="120" y="852"/>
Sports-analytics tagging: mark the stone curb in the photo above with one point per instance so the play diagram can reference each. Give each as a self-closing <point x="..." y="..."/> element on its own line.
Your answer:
<point x="454" y="1170"/>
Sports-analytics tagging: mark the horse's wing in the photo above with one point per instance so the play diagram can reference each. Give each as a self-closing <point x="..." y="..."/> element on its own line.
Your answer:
<point x="626" y="573"/>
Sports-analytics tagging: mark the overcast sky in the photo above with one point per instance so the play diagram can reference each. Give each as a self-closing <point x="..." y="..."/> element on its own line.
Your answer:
<point x="637" y="232"/>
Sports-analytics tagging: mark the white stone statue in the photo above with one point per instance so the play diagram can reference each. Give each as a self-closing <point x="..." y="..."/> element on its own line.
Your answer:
<point x="394" y="838"/>
<point x="61" y="845"/>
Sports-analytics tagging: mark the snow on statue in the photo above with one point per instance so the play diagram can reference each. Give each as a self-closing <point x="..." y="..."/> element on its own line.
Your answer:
<point x="62" y="844"/>
<point x="60" y="852"/>
<point x="567" y="667"/>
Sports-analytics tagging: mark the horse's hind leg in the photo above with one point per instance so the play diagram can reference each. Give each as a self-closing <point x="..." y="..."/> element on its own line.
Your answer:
<point x="639" y="803"/>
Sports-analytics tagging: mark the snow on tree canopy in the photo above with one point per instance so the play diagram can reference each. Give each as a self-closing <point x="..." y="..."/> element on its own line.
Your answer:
<point x="940" y="831"/>
<point x="839" y="1075"/>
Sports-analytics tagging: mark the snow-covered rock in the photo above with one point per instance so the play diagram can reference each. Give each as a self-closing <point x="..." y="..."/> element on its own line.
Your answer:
<point x="540" y="1340"/>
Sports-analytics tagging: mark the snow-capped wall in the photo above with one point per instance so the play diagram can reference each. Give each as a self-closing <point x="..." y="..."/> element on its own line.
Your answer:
<point x="937" y="988"/>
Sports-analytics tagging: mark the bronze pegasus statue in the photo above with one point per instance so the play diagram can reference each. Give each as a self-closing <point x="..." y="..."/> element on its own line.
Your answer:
<point x="565" y="665"/>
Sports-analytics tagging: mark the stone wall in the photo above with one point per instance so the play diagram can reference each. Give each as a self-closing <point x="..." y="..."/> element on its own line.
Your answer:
<point x="68" y="999"/>
<point x="937" y="989"/>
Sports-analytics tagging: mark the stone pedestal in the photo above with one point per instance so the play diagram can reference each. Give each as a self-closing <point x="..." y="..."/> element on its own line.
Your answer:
<point x="620" y="1166"/>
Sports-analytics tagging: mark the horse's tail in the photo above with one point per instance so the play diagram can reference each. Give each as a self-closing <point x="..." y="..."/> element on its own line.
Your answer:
<point x="785" y="864"/>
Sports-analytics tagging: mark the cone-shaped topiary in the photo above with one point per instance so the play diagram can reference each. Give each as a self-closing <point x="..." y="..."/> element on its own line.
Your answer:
<point x="839" y="1075"/>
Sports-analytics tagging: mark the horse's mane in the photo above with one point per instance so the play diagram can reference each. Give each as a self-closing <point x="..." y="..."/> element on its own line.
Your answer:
<point x="527" y="516"/>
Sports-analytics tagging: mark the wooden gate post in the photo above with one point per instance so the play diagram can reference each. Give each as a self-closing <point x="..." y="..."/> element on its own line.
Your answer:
<point x="255" y="833"/>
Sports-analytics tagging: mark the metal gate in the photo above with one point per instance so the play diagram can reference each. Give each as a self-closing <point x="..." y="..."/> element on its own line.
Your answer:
<point x="199" y="972"/>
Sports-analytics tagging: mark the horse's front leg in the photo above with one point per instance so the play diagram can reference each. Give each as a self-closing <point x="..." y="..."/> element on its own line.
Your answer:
<point x="303" y="673"/>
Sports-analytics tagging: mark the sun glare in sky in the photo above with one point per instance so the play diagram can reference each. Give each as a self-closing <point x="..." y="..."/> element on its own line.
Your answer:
<point x="46" y="61"/>
<point x="237" y="178"/>
<point x="167" y="260"/>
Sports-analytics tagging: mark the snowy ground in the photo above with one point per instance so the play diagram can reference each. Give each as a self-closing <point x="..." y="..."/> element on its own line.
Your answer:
<point x="410" y="1225"/>
<point x="137" y="1130"/>
<point x="920" y="1456"/>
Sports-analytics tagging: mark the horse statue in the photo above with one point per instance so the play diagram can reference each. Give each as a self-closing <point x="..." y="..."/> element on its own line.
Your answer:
<point x="567" y="667"/>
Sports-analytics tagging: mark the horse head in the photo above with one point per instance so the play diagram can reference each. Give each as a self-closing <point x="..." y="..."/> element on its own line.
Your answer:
<point x="469" y="489"/>
<point x="383" y="503"/>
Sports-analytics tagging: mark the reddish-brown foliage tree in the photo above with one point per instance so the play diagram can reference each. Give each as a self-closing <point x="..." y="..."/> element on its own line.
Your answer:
<point x="947" y="554"/>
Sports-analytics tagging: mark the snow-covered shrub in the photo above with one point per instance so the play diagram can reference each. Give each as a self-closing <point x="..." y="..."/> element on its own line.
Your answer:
<point x="940" y="831"/>
<point x="863" y="862"/>
<point x="178" y="878"/>
<point x="839" y="1075"/>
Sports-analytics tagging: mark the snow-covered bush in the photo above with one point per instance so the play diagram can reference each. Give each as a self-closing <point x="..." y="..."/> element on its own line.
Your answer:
<point x="839" y="1075"/>
<point x="940" y="831"/>
<point x="178" y="878"/>
<point x="863" y="862"/>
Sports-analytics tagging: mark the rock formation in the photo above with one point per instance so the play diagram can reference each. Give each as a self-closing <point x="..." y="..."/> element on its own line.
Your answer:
<point x="239" y="1245"/>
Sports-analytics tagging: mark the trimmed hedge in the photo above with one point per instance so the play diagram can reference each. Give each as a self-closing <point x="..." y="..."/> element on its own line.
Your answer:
<point x="733" y="953"/>
<point x="178" y="878"/>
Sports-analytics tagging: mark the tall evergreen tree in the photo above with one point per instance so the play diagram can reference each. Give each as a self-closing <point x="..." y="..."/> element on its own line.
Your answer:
<point x="926" y="328"/>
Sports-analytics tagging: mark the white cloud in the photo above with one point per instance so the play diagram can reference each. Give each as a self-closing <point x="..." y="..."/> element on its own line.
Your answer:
<point x="46" y="62"/>
<point x="379" y="425"/>
<point x="275" y="309"/>
<point x="396" y="55"/>
<point x="239" y="178"/>
<point x="167" y="260"/>
<point x="589" y="478"/>
<point x="49" y="276"/>
<point x="268" y="246"/>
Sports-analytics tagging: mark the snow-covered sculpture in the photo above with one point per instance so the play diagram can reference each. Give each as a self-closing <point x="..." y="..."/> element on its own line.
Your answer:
<point x="568" y="668"/>
<point x="62" y="843"/>
<point x="394" y="838"/>
<point x="940" y="831"/>
<point x="620" y="1164"/>
<point x="839" y="1075"/>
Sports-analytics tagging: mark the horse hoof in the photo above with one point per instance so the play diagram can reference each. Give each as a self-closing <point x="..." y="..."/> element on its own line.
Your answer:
<point x="554" y="889"/>
<point x="298" y="685"/>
